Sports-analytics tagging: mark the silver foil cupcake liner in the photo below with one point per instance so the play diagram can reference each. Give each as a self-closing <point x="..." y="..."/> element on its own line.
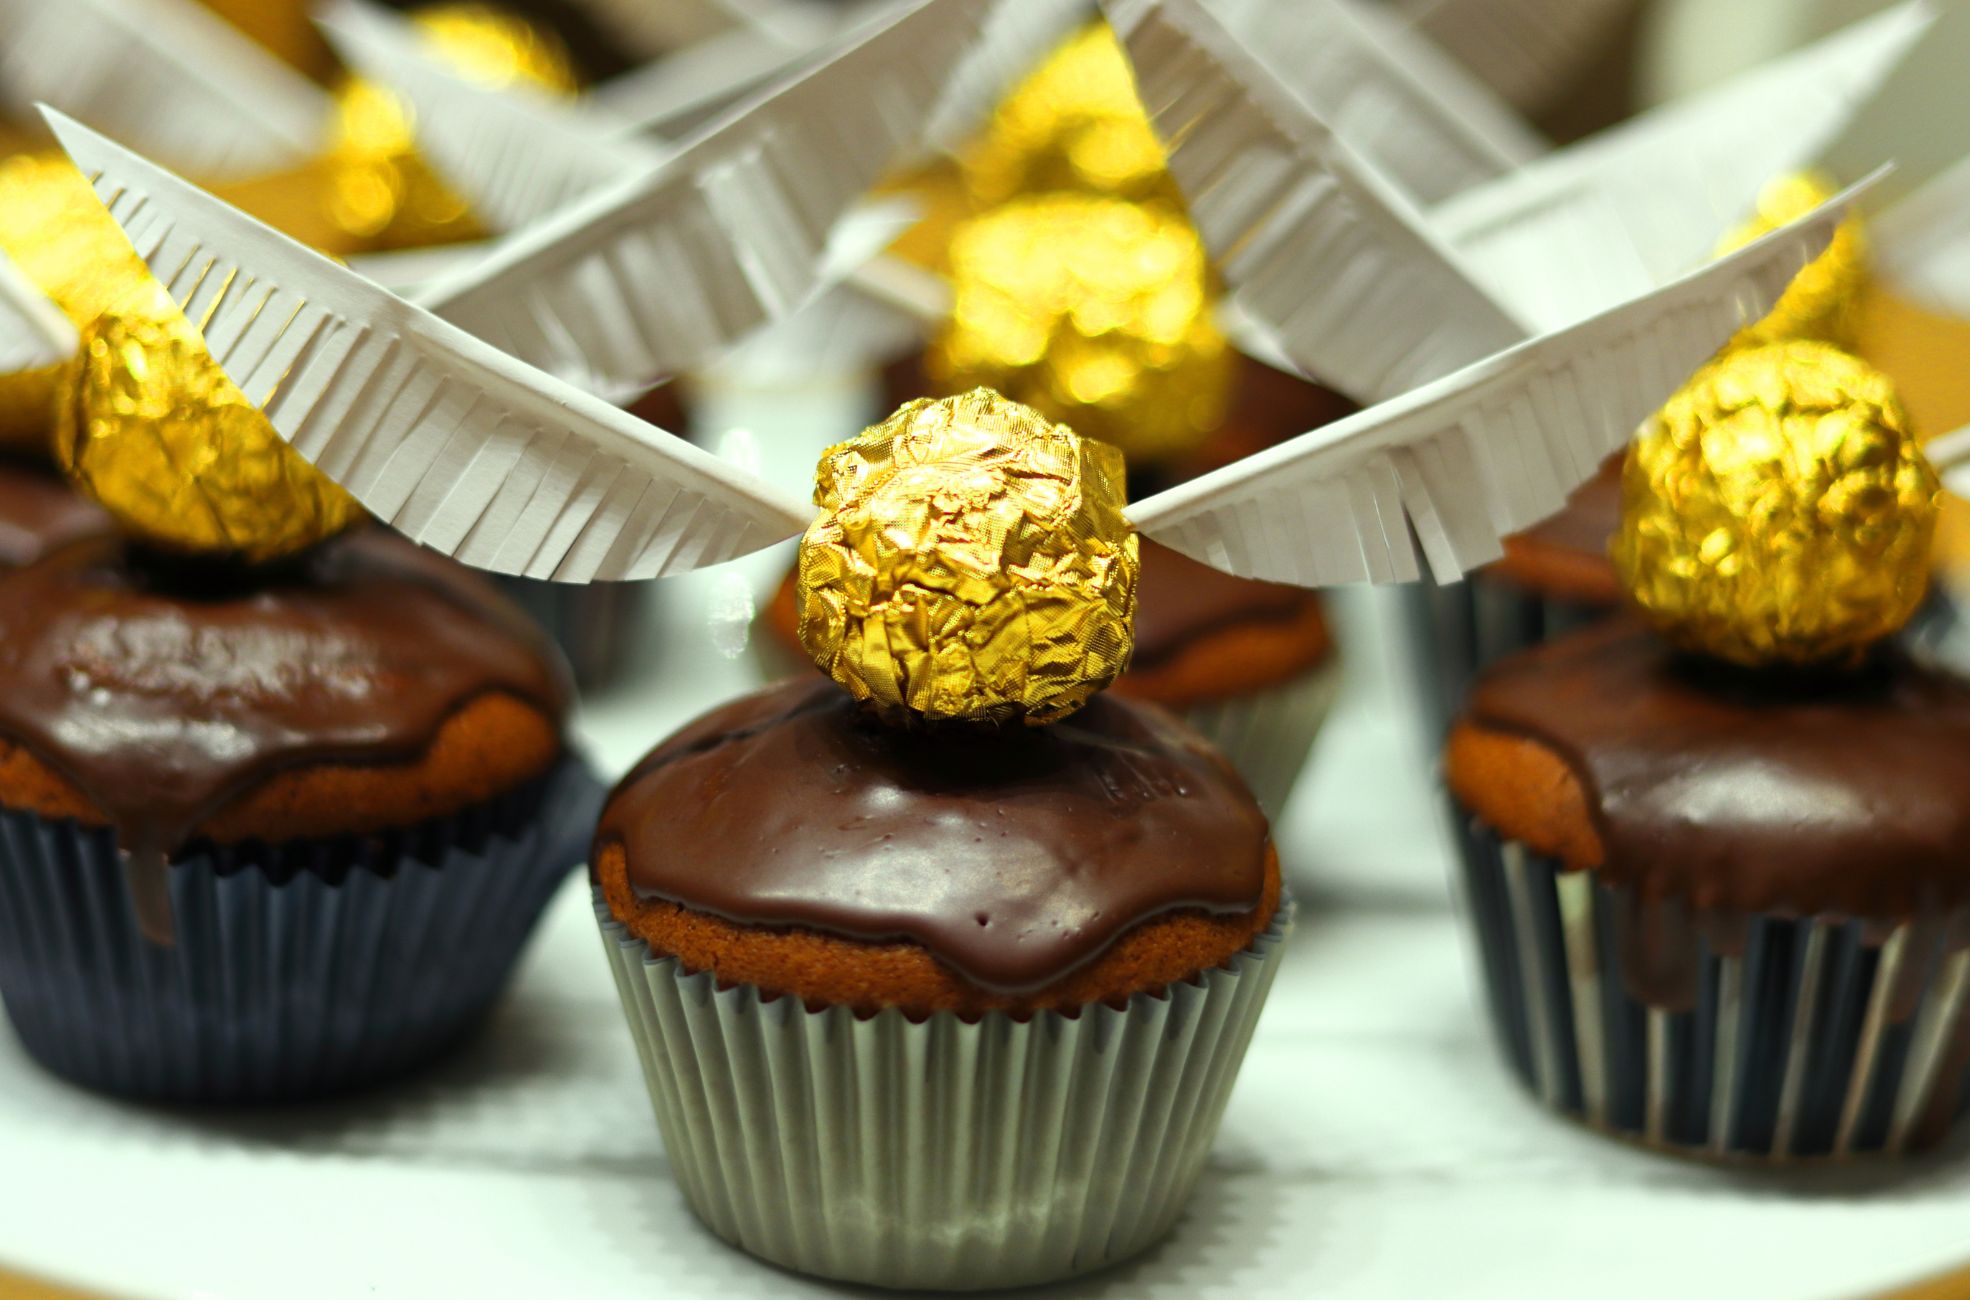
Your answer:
<point x="1268" y="734"/>
<point x="938" y="1154"/>
<point x="594" y="623"/>
<point x="1461" y="628"/>
<point x="296" y="970"/>
<point x="1767" y="1038"/>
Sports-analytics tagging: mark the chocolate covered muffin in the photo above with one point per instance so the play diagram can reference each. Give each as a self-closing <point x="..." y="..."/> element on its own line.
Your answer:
<point x="39" y="511"/>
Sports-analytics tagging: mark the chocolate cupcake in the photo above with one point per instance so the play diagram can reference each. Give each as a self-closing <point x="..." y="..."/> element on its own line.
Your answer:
<point x="39" y="511"/>
<point x="279" y="803"/>
<point x="1717" y="866"/>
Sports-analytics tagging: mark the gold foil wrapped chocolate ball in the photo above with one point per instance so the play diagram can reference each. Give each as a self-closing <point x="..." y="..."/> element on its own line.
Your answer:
<point x="1823" y="301"/>
<point x="1073" y="125"/>
<point x="384" y="193"/>
<point x="1094" y="312"/>
<point x="53" y="228"/>
<point x="154" y="430"/>
<point x="972" y="563"/>
<point x="1777" y="510"/>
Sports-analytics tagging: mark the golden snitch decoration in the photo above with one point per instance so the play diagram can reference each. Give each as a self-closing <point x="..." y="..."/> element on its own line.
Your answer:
<point x="1824" y="299"/>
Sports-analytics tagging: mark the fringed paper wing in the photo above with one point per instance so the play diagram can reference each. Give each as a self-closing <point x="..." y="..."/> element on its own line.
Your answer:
<point x="1526" y="50"/>
<point x="1451" y="468"/>
<point x="1321" y="249"/>
<point x="653" y="274"/>
<point x="1410" y="109"/>
<point x="656" y="27"/>
<point x="1638" y="205"/>
<point x="518" y="154"/>
<point x="455" y="444"/>
<point x="33" y="331"/>
<point x="1017" y="38"/>
<point x="167" y="73"/>
<point x="1919" y="117"/>
<point x="669" y="96"/>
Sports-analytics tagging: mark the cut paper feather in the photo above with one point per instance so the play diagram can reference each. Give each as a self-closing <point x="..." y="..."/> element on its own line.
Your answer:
<point x="1017" y="38"/>
<point x="656" y="271"/>
<point x="33" y="331"/>
<point x="1388" y="92"/>
<point x="166" y="73"/>
<point x="1526" y="50"/>
<point x="474" y="453"/>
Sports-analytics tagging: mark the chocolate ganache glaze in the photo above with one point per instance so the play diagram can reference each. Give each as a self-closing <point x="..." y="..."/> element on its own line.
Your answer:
<point x="164" y="689"/>
<point x="1014" y="857"/>
<point x="1180" y="600"/>
<point x="40" y="511"/>
<point x="1753" y="791"/>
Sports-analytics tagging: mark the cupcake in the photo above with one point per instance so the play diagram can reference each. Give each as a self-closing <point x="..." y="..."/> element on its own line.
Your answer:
<point x="1714" y="854"/>
<point x="280" y="801"/>
<point x="39" y="511"/>
<point x="940" y="973"/>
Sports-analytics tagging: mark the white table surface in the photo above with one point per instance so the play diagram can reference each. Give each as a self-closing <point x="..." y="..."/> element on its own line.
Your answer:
<point x="1374" y="1147"/>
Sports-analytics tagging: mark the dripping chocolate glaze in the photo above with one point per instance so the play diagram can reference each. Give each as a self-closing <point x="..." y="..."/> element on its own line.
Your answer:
<point x="1766" y="791"/>
<point x="162" y="694"/>
<point x="1013" y="857"/>
<point x="40" y="511"/>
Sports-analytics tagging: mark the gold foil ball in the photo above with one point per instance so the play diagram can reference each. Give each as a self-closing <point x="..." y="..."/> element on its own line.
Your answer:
<point x="1823" y="301"/>
<point x="1777" y="510"/>
<point x="1094" y="312"/>
<point x="56" y="232"/>
<point x="154" y="430"/>
<point x="971" y="563"/>
<point x="384" y="193"/>
<point x="1074" y="124"/>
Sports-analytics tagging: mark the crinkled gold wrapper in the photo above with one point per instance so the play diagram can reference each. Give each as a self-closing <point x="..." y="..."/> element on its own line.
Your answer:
<point x="1823" y="301"/>
<point x="1777" y="510"/>
<point x="383" y="192"/>
<point x="1095" y="312"/>
<point x="154" y="430"/>
<point x="56" y="232"/>
<point x="1073" y="125"/>
<point x="972" y="563"/>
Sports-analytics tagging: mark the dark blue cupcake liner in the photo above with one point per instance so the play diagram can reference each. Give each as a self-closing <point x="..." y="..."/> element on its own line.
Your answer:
<point x="594" y="623"/>
<point x="1820" y="1037"/>
<point x="1459" y="629"/>
<point x="298" y="969"/>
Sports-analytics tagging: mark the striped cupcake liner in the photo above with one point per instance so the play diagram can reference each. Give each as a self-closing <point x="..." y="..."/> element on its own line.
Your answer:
<point x="1772" y="1039"/>
<point x="297" y="970"/>
<point x="1268" y="734"/>
<point x="1459" y="629"/>
<point x="938" y="1154"/>
<point x="595" y="623"/>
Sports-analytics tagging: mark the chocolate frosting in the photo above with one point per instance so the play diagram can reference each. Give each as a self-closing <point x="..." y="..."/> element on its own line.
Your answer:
<point x="40" y="511"/>
<point x="1586" y="524"/>
<point x="1754" y="791"/>
<point x="1179" y="600"/>
<point x="1013" y="857"/>
<point x="164" y="690"/>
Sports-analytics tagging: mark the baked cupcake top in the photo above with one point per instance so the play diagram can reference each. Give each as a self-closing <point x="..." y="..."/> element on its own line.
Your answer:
<point x="324" y="696"/>
<point x="40" y="511"/>
<point x="1012" y="857"/>
<point x="1741" y="789"/>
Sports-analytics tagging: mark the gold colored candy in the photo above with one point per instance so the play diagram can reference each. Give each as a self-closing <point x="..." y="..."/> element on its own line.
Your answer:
<point x="154" y="430"/>
<point x="384" y="193"/>
<point x="56" y="232"/>
<point x="1777" y="510"/>
<point x="972" y="563"/>
<point x="1073" y="125"/>
<point x="1823" y="300"/>
<point x="1094" y="312"/>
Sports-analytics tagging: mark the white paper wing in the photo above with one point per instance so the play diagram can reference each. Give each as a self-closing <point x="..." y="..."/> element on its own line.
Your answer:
<point x="1412" y="110"/>
<point x="1921" y="245"/>
<point x="653" y="274"/>
<point x="1017" y="38"/>
<point x="167" y="73"/>
<point x="1451" y="468"/>
<point x="442" y="436"/>
<point x="1919" y="117"/>
<point x="667" y="96"/>
<point x="1635" y="206"/>
<point x="1321" y="249"/>
<point x="33" y="331"/>
<point x="1527" y="50"/>
<point x="517" y="153"/>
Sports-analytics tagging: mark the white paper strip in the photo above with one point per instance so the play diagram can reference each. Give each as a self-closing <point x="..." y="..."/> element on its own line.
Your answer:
<point x="656" y="27"/>
<point x="1017" y="39"/>
<point x="167" y="73"/>
<point x="1633" y="207"/>
<point x="1527" y="50"/>
<point x="1950" y="454"/>
<point x="653" y="274"/>
<point x="516" y="152"/>
<point x="666" y="96"/>
<point x="1921" y="245"/>
<point x="1320" y="247"/>
<point x="444" y="437"/>
<point x="1455" y="466"/>
<point x="406" y="271"/>
<point x="33" y="331"/>
<point x="1409" y="108"/>
<point x="1919" y="117"/>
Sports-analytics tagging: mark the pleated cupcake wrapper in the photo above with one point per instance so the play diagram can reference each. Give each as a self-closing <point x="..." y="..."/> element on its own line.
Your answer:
<point x="1268" y="733"/>
<point x="1811" y="1039"/>
<point x="1458" y="630"/>
<point x="278" y="985"/>
<point x="943" y="1153"/>
<point x="594" y="623"/>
